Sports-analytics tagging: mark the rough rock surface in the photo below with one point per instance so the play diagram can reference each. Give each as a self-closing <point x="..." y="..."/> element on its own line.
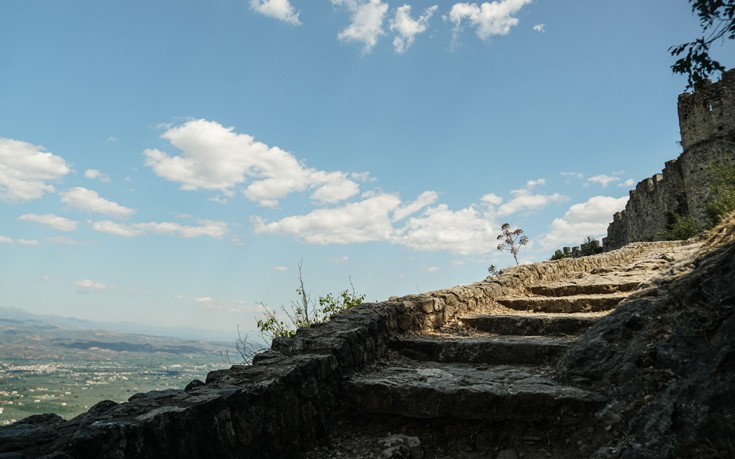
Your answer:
<point x="656" y="374"/>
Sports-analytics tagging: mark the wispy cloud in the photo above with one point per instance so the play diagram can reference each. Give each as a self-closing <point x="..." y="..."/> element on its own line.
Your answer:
<point x="94" y="174"/>
<point x="209" y="228"/>
<point x="212" y="304"/>
<point x="277" y="9"/>
<point x="367" y="22"/>
<point x="27" y="169"/>
<point x="54" y="221"/>
<point x="603" y="179"/>
<point x="87" y="200"/>
<point x="541" y="28"/>
<point x="214" y="157"/>
<point x="12" y="241"/>
<point x="87" y="286"/>
<point x="407" y="28"/>
<point x="525" y="200"/>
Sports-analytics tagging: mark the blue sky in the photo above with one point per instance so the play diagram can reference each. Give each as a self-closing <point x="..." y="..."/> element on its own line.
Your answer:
<point x="170" y="162"/>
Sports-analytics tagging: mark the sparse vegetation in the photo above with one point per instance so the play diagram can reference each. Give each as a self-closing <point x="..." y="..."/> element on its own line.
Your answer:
<point x="680" y="227"/>
<point x="305" y="312"/>
<point x="722" y="202"/>
<point x="511" y="240"/>
<point x="590" y="246"/>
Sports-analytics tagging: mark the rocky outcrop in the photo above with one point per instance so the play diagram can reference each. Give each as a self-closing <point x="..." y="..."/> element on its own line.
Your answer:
<point x="412" y="377"/>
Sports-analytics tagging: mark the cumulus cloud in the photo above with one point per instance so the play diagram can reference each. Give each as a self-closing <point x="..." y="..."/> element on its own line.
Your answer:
<point x="87" y="200"/>
<point x="277" y="9"/>
<point x="11" y="241"/>
<point x="603" y="180"/>
<point x="628" y="183"/>
<point x="89" y="286"/>
<point x="94" y="174"/>
<point x="422" y="224"/>
<point x="214" y="157"/>
<point x="425" y="199"/>
<point x="26" y="169"/>
<point x="375" y="218"/>
<point x="210" y="228"/>
<point x="406" y="27"/>
<point x="488" y="19"/>
<point x="540" y="28"/>
<point x="367" y="22"/>
<point x="364" y="221"/>
<point x="524" y="199"/>
<point x="589" y="218"/>
<point x="54" y="221"/>
<point x="465" y="231"/>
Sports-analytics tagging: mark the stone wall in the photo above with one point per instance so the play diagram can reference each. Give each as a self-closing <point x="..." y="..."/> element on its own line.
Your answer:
<point x="707" y="125"/>
<point x="279" y="406"/>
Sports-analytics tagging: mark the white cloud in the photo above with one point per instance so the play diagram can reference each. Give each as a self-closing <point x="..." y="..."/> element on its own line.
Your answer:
<point x="281" y="268"/>
<point x="488" y="19"/>
<point x="433" y="269"/>
<point x="589" y="218"/>
<point x="94" y="174"/>
<point x="465" y="231"/>
<point x="54" y="221"/>
<point x="541" y="28"/>
<point x="213" y="229"/>
<point x="210" y="303"/>
<point x="628" y="183"/>
<point x="492" y="199"/>
<point x="425" y="199"/>
<point x="63" y="240"/>
<point x="367" y="21"/>
<point x="340" y="260"/>
<point x="89" y="286"/>
<point x="407" y="28"/>
<point x="11" y="241"/>
<point x="214" y="157"/>
<point x="278" y="9"/>
<point x="87" y="200"/>
<point x="603" y="180"/>
<point x="525" y="200"/>
<point x="364" y="221"/>
<point x="25" y="170"/>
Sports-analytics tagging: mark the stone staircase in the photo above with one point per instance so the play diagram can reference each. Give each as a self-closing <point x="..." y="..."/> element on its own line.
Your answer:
<point x="489" y="375"/>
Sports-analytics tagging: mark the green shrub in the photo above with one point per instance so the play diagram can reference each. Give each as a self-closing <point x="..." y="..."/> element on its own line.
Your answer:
<point x="722" y="202"/>
<point x="680" y="227"/>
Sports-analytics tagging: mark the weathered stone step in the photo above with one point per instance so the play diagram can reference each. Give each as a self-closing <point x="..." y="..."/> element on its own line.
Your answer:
<point x="531" y="324"/>
<point x="566" y="304"/>
<point x="569" y="289"/>
<point x="491" y="350"/>
<point x="463" y="391"/>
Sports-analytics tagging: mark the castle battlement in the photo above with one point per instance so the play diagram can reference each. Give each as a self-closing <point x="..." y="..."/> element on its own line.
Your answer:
<point x="707" y="125"/>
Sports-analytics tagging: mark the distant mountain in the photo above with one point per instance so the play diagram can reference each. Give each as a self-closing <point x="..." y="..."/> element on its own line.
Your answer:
<point x="189" y="333"/>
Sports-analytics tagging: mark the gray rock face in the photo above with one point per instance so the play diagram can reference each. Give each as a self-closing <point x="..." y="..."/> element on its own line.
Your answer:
<point x="671" y="342"/>
<point x="668" y="359"/>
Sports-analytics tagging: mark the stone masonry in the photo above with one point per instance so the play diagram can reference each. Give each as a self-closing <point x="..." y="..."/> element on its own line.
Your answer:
<point x="707" y="125"/>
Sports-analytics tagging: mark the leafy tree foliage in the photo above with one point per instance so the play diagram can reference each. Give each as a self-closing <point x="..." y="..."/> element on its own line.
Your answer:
<point x="717" y="18"/>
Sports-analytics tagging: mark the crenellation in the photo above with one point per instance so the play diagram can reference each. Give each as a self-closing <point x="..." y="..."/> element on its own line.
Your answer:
<point x="707" y="124"/>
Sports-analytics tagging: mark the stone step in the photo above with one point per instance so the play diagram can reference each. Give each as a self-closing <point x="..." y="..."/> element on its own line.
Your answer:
<point x="565" y="304"/>
<point x="490" y="350"/>
<point x="574" y="288"/>
<point x="430" y="390"/>
<point x="531" y="324"/>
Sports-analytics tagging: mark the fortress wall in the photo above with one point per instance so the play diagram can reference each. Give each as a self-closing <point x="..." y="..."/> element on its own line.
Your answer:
<point x="707" y="125"/>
